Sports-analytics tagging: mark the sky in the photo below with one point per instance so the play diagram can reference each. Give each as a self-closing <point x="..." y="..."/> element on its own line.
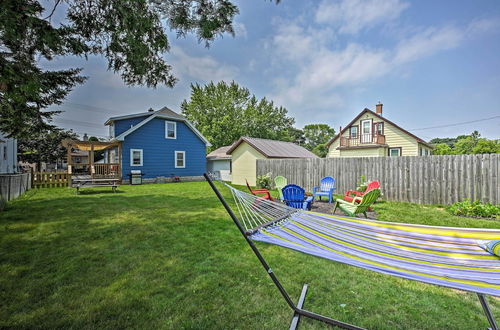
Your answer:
<point x="431" y="63"/>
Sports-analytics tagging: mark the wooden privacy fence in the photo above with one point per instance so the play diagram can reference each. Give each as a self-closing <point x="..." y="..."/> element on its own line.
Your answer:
<point x="50" y="179"/>
<point x="424" y="179"/>
<point x="13" y="185"/>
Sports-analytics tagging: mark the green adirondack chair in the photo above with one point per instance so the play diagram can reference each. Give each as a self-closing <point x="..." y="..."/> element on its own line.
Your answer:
<point x="280" y="182"/>
<point x="359" y="204"/>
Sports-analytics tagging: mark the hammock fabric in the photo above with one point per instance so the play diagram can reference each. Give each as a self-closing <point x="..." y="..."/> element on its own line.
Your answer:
<point x="445" y="256"/>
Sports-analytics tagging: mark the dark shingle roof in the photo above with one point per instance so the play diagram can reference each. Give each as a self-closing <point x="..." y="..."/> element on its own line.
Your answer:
<point x="274" y="149"/>
<point x="220" y="153"/>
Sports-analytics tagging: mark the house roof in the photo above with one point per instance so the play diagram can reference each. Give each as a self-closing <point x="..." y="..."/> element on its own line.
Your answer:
<point x="274" y="149"/>
<point x="366" y="110"/>
<point x="220" y="153"/>
<point x="164" y="113"/>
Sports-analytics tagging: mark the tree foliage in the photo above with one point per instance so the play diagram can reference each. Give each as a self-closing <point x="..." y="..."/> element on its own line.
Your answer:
<point x="224" y="112"/>
<point x="466" y="144"/>
<point x="129" y="34"/>
<point x="44" y="145"/>
<point x="317" y="134"/>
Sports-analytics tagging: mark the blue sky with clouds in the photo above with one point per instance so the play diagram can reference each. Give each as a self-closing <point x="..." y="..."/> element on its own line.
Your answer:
<point x="430" y="63"/>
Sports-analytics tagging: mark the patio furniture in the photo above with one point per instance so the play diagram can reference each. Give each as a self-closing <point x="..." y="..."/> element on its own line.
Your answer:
<point x="86" y="181"/>
<point x="280" y="182"/>
<point x="326" y="188"/>
<point x="359" y="204"/>
<point x="262" y="193"/>
<point x="349" y="195"/>
<point x="295" y="196"/>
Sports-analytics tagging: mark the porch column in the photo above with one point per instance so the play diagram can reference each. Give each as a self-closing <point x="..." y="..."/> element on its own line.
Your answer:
<point x="120" y="161"/>
<point x="91" y="159"/>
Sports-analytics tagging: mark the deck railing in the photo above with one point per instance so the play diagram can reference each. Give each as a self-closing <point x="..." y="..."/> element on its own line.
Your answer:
<point x="363" y="139"/>
<point x="106" y="170"/>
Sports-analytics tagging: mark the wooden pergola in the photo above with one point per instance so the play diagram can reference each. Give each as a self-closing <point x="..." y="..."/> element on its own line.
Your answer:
<point x="110" y="168"/>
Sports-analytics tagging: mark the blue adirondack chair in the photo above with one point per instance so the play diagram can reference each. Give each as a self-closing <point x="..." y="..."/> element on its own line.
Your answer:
<point x="326" y="188"/>
<point x="294" y="196"/>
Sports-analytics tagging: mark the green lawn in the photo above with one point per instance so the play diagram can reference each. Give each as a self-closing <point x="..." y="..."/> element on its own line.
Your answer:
<point x="168" y="256"/>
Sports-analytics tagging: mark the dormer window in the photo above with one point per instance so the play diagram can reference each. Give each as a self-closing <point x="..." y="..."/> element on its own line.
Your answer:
<point x="170" y="129"/>
<point x="354" y="132"/>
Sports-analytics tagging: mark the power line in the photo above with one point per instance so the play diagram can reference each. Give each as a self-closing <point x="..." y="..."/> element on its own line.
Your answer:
<point x="456" y="124"/>
<point x="92" y="108"/>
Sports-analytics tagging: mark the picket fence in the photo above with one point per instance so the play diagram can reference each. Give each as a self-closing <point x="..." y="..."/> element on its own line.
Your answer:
<point x="50" y="179"/>
<point x="424" y="180"/>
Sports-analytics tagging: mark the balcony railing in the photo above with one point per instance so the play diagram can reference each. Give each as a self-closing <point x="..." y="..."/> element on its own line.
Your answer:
<point x="362" y="140"/>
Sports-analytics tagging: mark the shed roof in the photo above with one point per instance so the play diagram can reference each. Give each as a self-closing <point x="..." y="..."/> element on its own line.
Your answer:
<point x="274" y="149"/>
<point x="220" y="153"/>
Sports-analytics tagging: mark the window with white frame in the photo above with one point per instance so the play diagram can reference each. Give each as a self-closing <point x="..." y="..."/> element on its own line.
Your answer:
<point x="354" y="132"/>
<point x="394" y="152"/>
<point x="180" y="159"/>
<point x="135" y="157"/>
<point x="170" y="129"/>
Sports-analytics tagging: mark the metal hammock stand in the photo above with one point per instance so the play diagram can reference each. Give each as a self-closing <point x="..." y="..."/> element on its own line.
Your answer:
<point x="298" y="309"/>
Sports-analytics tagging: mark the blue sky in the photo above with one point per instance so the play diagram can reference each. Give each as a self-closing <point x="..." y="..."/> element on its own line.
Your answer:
<point x="430" y="63"/>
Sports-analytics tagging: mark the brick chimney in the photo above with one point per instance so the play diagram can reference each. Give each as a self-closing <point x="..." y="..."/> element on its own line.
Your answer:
<point x="378" y="108"/>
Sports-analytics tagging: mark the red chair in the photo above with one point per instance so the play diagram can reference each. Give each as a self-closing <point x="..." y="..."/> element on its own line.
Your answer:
<point x="351" y="194"/>
<point x="257" y="192"/>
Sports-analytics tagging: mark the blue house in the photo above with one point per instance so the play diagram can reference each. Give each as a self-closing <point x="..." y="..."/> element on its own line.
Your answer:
<point x="161" y="144"/>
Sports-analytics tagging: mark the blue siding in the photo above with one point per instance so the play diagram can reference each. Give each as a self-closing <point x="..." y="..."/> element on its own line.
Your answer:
<point x="123" y="125"/>
<point x="159" y="152"/>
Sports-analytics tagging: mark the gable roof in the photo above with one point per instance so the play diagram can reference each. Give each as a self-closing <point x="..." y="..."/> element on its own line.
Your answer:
<point x="220" y="153"/>
<point x="164" y="113"/>
<point x="273" y="148"/>
<point x="366" y="110"/>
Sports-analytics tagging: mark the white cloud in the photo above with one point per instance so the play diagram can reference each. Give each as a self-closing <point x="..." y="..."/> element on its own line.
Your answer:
<point x="240" y="30"/>
<point x="352" y="16"/>
<point x="483" y="25"/>
<point x="320" y="71"/>
<point x="203" y="68"/>
<point x="427" y="43"/>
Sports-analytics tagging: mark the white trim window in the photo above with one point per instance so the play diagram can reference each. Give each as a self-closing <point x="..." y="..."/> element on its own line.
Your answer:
<point x="136" y="157"/>
<point x="394" y="152"/>
<point x="170" y="129"/>
<point x="180" y="159"/>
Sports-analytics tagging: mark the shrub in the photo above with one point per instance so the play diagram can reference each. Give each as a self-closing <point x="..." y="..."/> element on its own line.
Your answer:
<point x="264" y="181"/>
<point x="362" y="184"/>
<point x="474" y="209"/>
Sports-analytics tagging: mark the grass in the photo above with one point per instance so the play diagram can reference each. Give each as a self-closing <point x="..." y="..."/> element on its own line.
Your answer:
<point x="167" y="256"/>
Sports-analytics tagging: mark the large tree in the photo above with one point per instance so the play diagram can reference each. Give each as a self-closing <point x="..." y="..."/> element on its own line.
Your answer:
<point x="317" y="134"/>
<point x="130" y="34"/>
<point x="224" y="112"/>
<point x="44" y="145"/>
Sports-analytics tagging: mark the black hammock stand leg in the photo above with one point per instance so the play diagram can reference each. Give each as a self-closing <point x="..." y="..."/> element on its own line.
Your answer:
<point x="487" y="311"/>
<point x="297" y="310"/>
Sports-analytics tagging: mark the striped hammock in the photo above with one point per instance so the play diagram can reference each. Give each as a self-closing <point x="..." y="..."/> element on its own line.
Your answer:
<point x="445" y="256"/>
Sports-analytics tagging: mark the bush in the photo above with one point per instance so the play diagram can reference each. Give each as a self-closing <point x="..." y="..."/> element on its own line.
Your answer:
<point x="474" y="209"/>
<point x="264" y="181"/>
<point x="362" y="184"/>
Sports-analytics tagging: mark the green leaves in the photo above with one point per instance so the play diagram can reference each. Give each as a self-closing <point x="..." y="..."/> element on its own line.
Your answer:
<point x="129" y="33"/>
<point x="224" y="112"/>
